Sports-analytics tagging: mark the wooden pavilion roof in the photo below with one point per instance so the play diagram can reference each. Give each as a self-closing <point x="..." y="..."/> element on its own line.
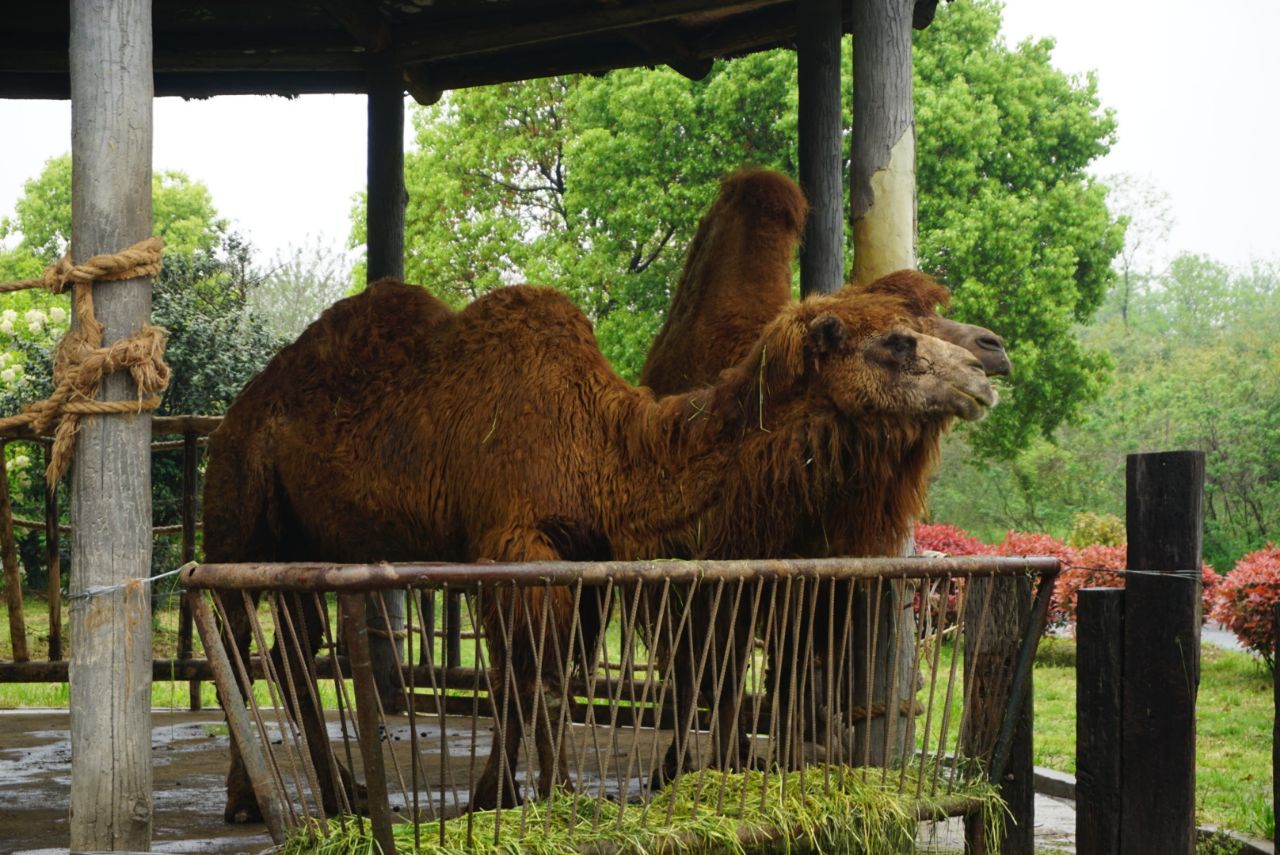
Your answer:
<point x="292" y="47"/>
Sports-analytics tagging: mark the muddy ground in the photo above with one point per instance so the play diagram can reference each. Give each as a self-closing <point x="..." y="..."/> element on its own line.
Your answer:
<point x="190" y="765"/>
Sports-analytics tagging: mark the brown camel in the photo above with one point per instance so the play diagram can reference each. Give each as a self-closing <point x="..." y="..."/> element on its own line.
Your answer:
<point x="737" y="277"/>
<point x="394" y="429"/>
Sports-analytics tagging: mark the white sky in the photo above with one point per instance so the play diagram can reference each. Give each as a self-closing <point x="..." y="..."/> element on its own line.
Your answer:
<point x="1194" y="86"/>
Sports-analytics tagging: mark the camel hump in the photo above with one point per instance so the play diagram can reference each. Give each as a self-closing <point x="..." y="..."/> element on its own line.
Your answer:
<point x="527" y="310"/>
<point x="767" y="195"/>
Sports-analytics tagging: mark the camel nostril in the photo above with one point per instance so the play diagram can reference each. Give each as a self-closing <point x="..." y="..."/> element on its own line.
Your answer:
<point x="990" y="342"/>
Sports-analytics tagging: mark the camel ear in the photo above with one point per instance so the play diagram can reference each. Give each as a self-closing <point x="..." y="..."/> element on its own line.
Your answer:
<point x="826" y="334"/>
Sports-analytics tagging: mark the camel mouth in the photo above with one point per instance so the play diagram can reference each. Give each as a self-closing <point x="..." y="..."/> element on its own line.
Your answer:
<point x="976" y="402"/>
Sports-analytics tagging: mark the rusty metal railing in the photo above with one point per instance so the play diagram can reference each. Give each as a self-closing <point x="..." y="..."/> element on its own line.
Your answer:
<point x="608" y="679"/>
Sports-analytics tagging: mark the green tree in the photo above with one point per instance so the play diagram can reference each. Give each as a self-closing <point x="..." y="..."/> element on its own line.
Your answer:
<point x="595" y="185"/>
<point x="301" y="282"/>
<point x="201" y="296"/>
<point x="182" y="211"/>
<point x="1196" y="367"/>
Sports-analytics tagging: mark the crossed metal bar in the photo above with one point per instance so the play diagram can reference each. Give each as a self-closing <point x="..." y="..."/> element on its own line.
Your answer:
<point x="803" y="667"/>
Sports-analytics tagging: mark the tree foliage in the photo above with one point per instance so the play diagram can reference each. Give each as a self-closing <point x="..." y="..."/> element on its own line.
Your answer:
<point x="1196" y="367"/>
<point x="595" y="185"/>
<point x="201" y="297"/>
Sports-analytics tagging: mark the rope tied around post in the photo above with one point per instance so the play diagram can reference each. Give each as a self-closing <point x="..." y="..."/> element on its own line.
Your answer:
<point x="81" y="362"/>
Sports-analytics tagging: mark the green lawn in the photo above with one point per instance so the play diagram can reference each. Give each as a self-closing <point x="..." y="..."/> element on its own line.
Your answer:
<point x="1235" y="712"/>
<point x="1234" y="716"/>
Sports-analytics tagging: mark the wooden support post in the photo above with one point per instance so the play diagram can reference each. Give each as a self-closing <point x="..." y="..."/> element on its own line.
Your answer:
<point x="882" y="178"/>
<point x="53" y="560"/>
<point x="356" y="629"/>
<point x="110" y="54"/>
<point x="190" y="475"/>
<point x="385" y="244"/>
<point x="1165" y="519"/>
<point x="820" y="142"/>
<point x="882" y="183"/>
<point x="12" y="574"/>
<point x="386" y="193"/>
<point x="265" y="790"/>
<point x="1099" y="676"/>
<point x="1008" y="615"/>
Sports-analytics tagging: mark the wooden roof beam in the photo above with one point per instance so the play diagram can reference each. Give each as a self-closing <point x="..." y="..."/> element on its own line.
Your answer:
<point x="664" y="41"/>
<point x="442" y="43"/>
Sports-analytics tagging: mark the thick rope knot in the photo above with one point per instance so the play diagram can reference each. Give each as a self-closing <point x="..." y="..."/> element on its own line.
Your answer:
<point x="81" y="362"/>
<point x="141" y="259"/>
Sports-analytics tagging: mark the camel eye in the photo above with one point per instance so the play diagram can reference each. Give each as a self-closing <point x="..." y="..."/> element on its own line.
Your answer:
<point x="901" y="346"/>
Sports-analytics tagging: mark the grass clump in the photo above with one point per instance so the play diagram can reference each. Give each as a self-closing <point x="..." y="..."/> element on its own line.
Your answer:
<point x="827" y="810"/>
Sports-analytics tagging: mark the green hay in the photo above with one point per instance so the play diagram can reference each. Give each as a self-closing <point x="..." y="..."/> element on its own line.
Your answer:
<point x="827" y="810"/>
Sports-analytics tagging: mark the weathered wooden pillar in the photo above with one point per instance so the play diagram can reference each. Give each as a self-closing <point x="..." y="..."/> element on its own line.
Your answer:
<point x="385" y="245"/>
<point x="882" y="207"/>
<point x="882" y="174"/>
<point x="821" y="169"/>
<point x="110" y="669"/>
<point x="1099" y="678"/>
<point x="1165" y="521"/>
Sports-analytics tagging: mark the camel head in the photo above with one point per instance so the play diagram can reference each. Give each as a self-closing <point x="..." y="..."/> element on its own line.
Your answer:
<point x="922" y="295"/>
<point x="866" y="355"/>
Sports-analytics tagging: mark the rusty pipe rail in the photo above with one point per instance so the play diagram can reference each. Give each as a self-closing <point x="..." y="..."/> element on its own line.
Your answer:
<point x="379" y="577"/>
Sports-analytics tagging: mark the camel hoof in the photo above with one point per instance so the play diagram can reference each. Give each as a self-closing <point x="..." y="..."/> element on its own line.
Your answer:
<point x="241" y="814"/>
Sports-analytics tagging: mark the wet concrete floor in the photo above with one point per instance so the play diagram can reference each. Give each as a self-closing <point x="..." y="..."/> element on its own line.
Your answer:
<point x="189" y="752"/>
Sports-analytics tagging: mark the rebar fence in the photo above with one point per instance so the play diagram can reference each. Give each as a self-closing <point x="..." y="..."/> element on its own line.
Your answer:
<point x="619" y="706"/>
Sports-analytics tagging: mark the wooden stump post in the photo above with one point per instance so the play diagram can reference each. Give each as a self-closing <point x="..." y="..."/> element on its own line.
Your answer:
<point x="1165" y="519"/>
<point x="110" y="669"/>
<point x="1099" y="706"/>
<point x="820" y="138"/>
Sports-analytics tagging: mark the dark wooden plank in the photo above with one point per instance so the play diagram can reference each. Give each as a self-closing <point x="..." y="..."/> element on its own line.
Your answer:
<point x="1099" y="672"/>
<point x="1164" y="501"/>
<point x="820" y="142"/>
<point x="111" y="87"/>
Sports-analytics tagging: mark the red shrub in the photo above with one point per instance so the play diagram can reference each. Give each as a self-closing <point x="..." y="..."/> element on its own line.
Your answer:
<point x="1244" y="601"/>
<point x="1093" y="566"/>
<point x="949" y="540"/>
